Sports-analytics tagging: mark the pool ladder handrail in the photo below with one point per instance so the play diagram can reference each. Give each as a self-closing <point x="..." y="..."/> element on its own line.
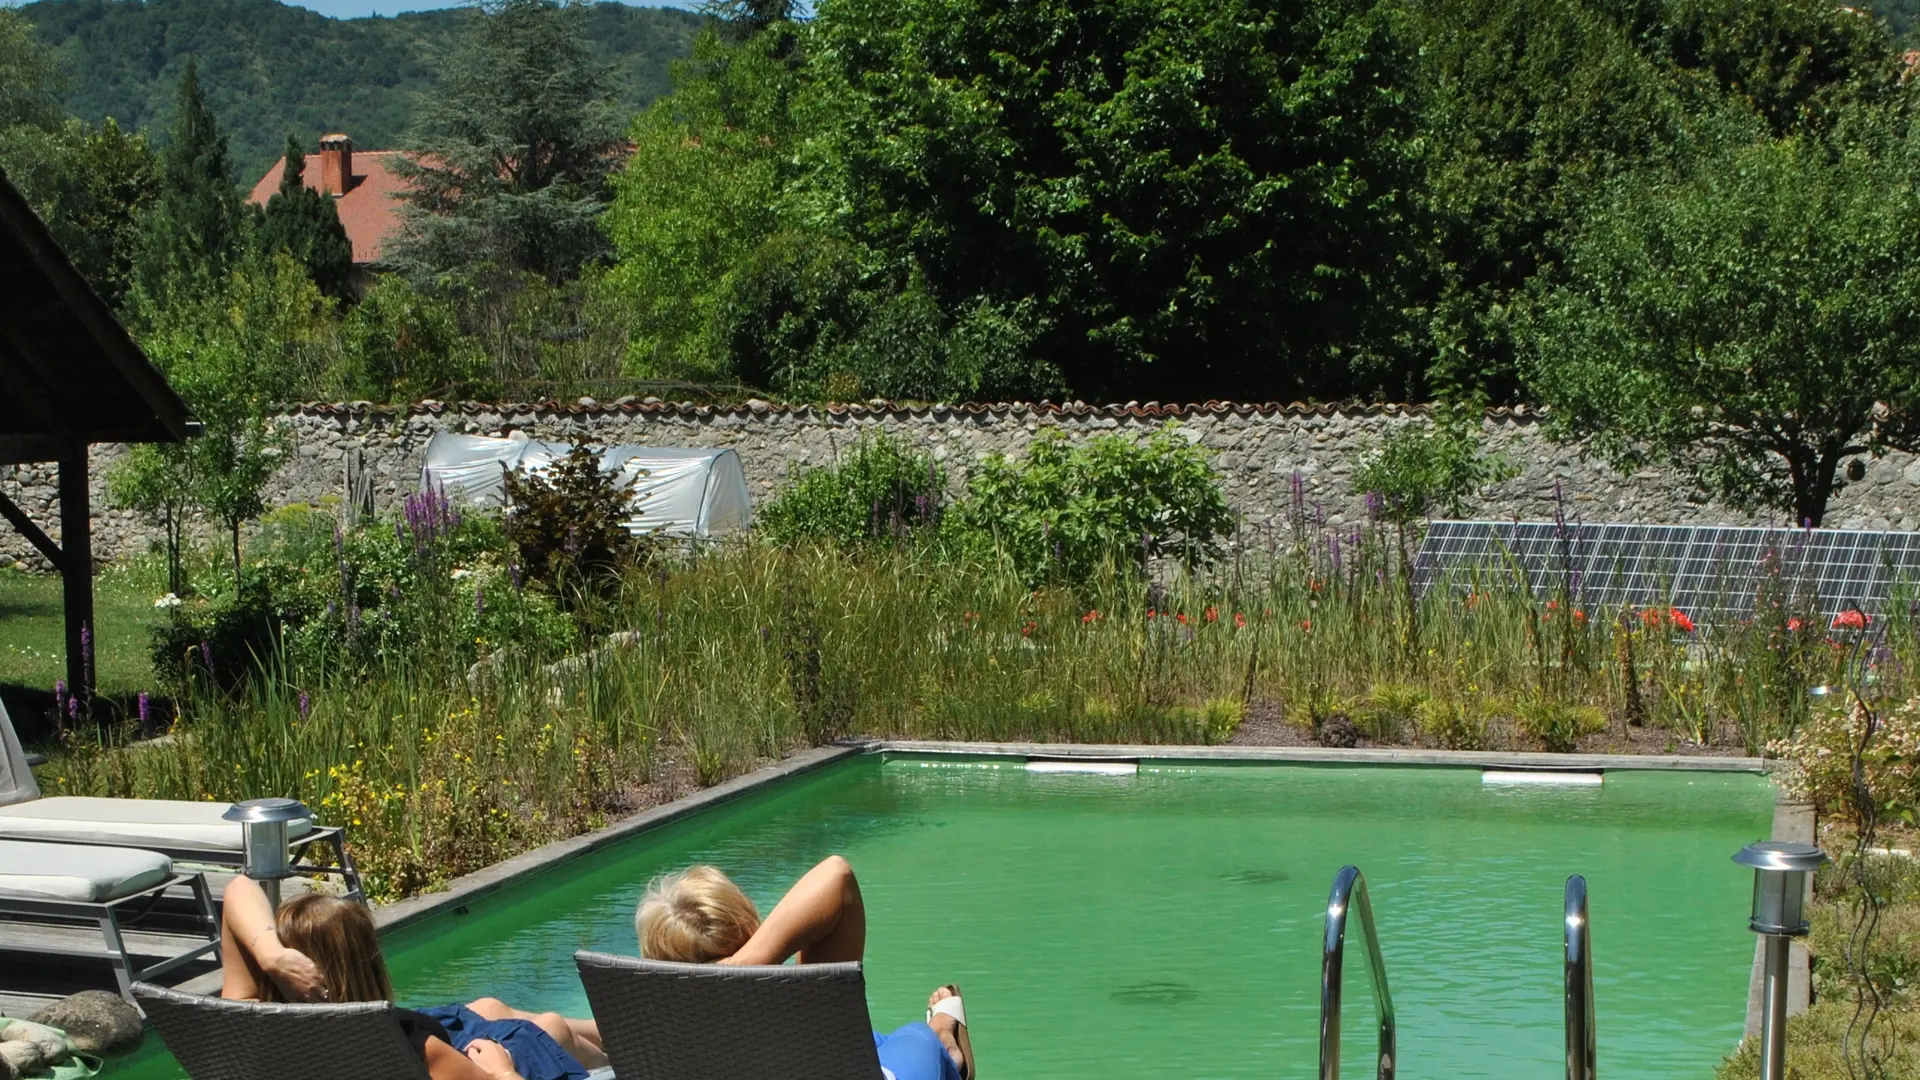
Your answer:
<point x="1579" y="982"/>
<point x="1349" y="895"/>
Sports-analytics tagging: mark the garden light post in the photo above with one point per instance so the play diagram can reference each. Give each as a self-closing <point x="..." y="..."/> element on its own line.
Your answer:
<point x="1780" y="870"/>
<point x="263" y="832"/>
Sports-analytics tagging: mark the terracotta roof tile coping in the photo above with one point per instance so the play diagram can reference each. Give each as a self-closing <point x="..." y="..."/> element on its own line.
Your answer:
<point x="1151" y="410"/>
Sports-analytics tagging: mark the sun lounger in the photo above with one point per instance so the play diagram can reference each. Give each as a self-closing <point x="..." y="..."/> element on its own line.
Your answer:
<point x="102" y="885"/>
<point x="215" y="1039"/>
<point x="704" y="1022"/>
<point x="179" y="829"/>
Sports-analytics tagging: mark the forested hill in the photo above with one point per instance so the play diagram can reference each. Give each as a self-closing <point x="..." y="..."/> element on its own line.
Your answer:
<point x="270" y="68"/>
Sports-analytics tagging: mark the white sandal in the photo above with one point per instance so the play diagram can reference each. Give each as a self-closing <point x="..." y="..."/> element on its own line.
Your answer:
<point x="952" y="1006"/>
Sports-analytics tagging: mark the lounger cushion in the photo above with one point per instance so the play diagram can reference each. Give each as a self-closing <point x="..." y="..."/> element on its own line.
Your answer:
<point x="168" y="823"/>
<point x="75" y="872"/>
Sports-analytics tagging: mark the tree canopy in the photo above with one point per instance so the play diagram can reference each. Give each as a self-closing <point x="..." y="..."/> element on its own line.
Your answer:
<point x="1754" y="320"/>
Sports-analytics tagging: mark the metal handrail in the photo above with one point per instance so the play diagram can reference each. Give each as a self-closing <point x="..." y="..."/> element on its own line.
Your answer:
<point x="1579" y="971"/>
<point x="1350" y="895"/>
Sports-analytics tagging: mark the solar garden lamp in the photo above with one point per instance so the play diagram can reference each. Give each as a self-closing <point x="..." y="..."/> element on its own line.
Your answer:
<point x="1780" y="870"/>
<point x="263" y="833"/>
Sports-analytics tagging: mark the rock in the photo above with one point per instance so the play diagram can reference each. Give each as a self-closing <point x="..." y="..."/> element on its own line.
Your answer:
<point x="1339" y="731"/>
<point x="17" y="1058"/>
<point x="97" y="1022"/>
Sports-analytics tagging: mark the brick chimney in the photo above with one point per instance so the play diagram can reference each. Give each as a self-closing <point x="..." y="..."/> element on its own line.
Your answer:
<point x="336" y="164"/>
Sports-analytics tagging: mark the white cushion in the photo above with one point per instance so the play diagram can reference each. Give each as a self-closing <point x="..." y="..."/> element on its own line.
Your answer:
<point x="168" y="823"/>
<point x="75" y="872"/>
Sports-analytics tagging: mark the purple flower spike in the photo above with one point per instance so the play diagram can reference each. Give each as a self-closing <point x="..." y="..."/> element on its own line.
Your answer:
<point x="306" y="706"/>
<point x="206" y="654"/>
<point x="60" y="692"/>
<point x="73" y="708"/>
<point x="146" y="711"/>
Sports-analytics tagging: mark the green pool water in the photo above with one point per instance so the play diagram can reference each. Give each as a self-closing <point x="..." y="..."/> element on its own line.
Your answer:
<point x="1169" y="923"/>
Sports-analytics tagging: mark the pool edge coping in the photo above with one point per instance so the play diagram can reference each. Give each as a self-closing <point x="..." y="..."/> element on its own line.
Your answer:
<point x="1320" y="755"/>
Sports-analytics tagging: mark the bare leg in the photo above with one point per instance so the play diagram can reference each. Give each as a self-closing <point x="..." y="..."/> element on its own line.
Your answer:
<point x="581" y="1038"/>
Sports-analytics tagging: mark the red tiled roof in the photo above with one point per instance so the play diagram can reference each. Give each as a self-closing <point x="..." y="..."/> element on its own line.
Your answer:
<point x="370" y="210"/>
<point x="1152" y="410"/>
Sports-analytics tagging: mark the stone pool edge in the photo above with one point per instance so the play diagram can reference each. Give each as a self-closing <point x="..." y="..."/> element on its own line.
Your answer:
<point x="1322" y="755"/>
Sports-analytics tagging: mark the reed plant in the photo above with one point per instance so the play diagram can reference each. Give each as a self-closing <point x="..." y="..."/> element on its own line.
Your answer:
<point x="443" y="753"/>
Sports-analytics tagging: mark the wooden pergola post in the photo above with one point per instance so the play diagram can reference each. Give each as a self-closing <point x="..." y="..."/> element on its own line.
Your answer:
<point x="76" y="569"/>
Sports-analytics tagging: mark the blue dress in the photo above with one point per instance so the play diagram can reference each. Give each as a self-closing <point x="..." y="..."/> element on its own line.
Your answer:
<point x="913" y="1052"/>
<point x="535" y="1055"/>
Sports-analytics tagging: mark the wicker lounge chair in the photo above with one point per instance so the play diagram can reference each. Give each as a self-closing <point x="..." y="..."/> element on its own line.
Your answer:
<point x="704" y="1022"/>
<point x="102" y="885"/>
<point x="216" y="1039"/>
<point x="180" y="829"/>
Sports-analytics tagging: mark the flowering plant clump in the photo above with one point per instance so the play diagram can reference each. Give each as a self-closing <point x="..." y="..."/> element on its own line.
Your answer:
<point x="1817" y="761"/>
<point x="1673" y="618"/>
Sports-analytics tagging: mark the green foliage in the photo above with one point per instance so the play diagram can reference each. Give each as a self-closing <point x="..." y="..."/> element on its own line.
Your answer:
<point x="1450" y="725"/>
<point x="1068" y="512"/>
<point x="877" y="490"/>
<point x="91" y="185"/>
<point x="514" y="148"/>
<point x="1213" y="186"/>
<point x="699" y="194"/>
<point x="1751" y="321"/>
<point x="1557" y="726"/>
<point x="568" y="525"/>
<point x="1436" y="467"/>
<point x="305" y="224"/>
<point x="402" y="342"/>
<point x="30" y="76"/>
<point x="270" y="67"/>
<point x="196" y="230"/>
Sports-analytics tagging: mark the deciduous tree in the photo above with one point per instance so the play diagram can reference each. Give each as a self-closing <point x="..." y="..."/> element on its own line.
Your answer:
<point x="1754" y="322"/>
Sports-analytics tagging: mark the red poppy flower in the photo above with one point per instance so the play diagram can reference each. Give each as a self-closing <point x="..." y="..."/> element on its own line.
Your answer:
<point x="1851" y="619"/>
<point x="1307" y="625"/>
<point x="1239" y="620"/>
<point x="1027" y="630"/>
<point x="1213" y="614"/>
<point x="1181" y="618"/>
<point x="1579" y="617"/>
<point x="1680" y="621"/>
<point x="1091" y="616"/>
<point x="1793" y="625"/>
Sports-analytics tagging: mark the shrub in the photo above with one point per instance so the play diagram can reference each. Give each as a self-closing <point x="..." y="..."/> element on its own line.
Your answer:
<point x="1557" y="726"/>
<point x="878" y="491"/>
<point x="1818" y="760"/>
<point x="1389" y="712"/>
<point x="1430" y="468"/>
<point x="1067" y="512"/>
<point x="221" y="640"/>
<point x="569" y="525"/>
<point x="1451" y="726"/>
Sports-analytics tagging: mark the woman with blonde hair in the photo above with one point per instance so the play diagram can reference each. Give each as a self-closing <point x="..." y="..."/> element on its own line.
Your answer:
<point x="699" y="916"/>
<point x="318" y="948"/>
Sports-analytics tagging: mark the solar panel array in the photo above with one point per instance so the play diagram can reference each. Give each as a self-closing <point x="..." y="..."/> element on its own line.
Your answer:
<point x="1703" y="569"/>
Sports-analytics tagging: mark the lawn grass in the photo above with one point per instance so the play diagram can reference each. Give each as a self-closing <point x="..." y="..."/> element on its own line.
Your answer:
<point x="32" y="631"/>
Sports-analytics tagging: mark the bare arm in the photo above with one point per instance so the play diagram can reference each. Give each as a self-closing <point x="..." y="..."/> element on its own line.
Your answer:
<point x="251" y="952"/>
<point x="822" y="918"/>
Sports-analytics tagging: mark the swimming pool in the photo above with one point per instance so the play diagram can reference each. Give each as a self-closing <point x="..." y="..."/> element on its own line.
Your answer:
<point x="1168" y="923"/>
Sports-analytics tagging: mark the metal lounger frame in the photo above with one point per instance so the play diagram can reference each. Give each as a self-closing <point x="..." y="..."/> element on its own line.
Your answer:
<point x="333" y="836"/>
<point x="107" y="914"/>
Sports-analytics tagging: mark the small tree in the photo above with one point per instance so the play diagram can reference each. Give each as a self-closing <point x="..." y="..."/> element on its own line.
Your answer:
<point x="195" y="232"/>
<point x="1755" y="323"/>
<point x="569" y="525"/>
<point x="1423" y="469"/>
<point x="306" y="225"/>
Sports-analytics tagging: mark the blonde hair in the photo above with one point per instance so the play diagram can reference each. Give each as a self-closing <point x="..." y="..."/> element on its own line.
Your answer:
<point x="696" y="916"/>
<point x="338" y="936"/>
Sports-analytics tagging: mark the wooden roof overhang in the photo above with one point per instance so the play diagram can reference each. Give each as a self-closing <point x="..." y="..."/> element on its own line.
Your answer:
<point x="69" y="372"/>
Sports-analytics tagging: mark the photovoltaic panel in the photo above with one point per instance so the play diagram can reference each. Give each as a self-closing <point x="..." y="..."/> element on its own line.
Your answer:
<point x="1701" y="569"/>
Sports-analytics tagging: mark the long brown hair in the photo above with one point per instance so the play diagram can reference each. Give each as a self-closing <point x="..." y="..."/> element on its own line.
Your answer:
<point x="338" y="936"/>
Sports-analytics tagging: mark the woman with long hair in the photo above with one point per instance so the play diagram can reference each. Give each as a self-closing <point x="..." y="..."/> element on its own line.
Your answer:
<point x="318" y="948"/>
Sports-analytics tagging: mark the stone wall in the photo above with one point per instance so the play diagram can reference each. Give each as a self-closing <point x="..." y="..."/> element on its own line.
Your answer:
<point x="1258" y="449"/>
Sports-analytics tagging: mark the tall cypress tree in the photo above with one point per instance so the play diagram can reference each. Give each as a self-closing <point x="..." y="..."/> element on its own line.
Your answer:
<point x="306" y="225"/>
<point x="196" y="229"/>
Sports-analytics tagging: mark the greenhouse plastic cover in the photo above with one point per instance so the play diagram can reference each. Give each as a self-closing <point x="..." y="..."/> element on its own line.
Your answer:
<point x="681" y="491"/>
